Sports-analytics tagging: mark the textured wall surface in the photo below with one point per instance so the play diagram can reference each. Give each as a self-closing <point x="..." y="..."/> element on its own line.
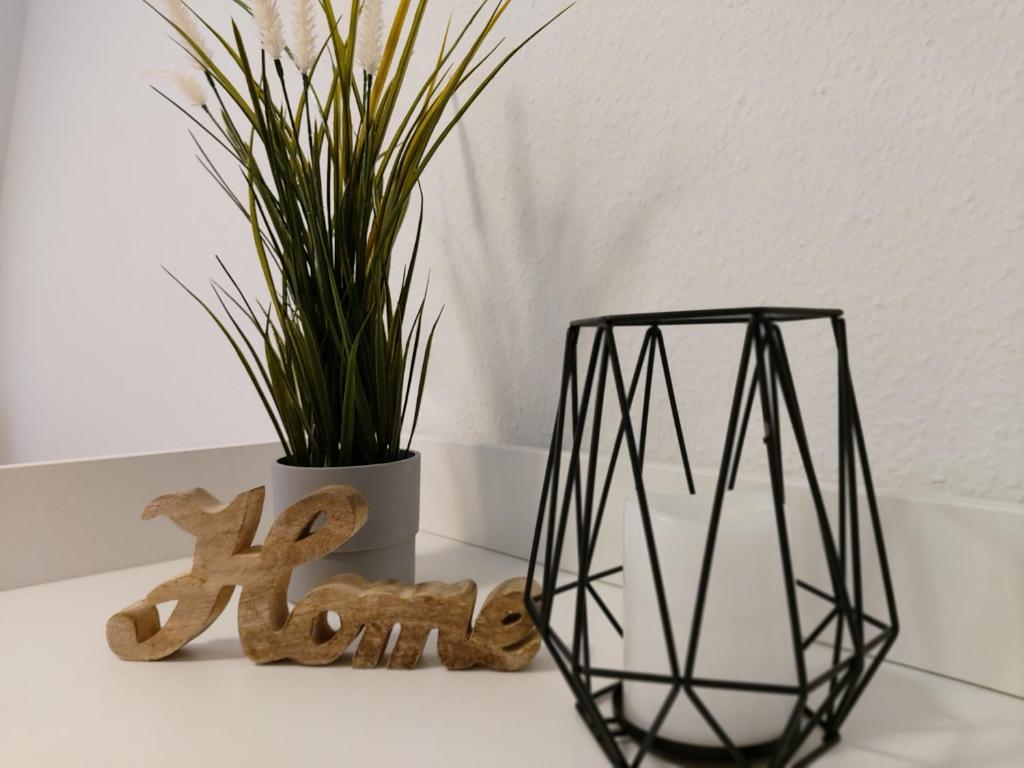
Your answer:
<point x="649" y="155"/>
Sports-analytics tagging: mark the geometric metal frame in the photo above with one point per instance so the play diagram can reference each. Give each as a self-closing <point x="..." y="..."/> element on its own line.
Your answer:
<point x="764" y="361"/>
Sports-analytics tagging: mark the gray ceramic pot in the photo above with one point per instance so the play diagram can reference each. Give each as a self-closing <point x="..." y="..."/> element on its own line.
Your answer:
<point x="384" y="548"/>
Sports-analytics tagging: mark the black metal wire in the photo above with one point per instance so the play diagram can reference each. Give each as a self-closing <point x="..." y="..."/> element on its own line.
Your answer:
<point x="770" y="381"/>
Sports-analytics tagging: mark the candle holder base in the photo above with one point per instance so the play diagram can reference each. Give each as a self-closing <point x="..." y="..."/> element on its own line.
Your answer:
<point x="680" y="752"/>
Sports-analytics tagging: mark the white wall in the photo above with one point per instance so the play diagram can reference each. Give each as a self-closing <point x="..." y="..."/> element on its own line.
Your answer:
<point x="640" y="156"/>
<point x="100" y="352"/>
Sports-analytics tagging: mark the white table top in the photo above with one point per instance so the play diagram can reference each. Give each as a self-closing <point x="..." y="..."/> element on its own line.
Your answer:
<point x="68" y="701"/>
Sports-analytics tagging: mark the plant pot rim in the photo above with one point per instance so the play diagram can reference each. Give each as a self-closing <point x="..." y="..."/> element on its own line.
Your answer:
<point x="407" y="456"/>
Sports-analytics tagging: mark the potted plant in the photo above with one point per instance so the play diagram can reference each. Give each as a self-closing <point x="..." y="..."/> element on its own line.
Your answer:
<point x="330" y="147"/>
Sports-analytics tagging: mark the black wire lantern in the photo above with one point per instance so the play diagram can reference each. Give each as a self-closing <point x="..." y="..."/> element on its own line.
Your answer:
<point x="859" y="641"/>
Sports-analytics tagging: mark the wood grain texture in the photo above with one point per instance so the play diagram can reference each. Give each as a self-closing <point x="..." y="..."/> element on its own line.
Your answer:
<point x="222" y="531"/>
<point x="368" y="613"/>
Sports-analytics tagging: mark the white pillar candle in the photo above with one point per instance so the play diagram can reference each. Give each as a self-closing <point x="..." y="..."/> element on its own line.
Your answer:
<point x="745" y="634"/>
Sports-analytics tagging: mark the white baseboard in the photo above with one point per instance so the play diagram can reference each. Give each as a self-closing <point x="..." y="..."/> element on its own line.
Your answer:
<point x="71" y="518"/>
<point x="957" y="565"/>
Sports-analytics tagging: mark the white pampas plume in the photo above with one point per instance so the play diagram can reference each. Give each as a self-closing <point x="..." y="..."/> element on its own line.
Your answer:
<point x="370" y="36"/>
<point x="188" y="84"/>
<point x="268" y="22"/>
<point x="183" y="18"/>
<point x="303" y="34"/>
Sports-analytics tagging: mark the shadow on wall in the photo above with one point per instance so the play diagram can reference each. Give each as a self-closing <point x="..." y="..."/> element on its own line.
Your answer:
<point x="12" y="32"/>
<point x="5" y="438"/>
<point x="557" y="267"/>
<point x="541" y="262"/>
<point x="12" y="18"/>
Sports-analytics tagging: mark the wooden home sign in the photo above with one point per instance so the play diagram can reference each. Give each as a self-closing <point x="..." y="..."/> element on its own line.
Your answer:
<point x="502" y="637"/>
